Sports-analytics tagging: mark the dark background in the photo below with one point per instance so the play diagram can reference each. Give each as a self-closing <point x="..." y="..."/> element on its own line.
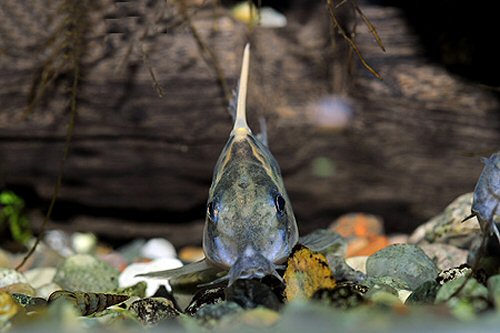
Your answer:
<point x="140" y="165"/>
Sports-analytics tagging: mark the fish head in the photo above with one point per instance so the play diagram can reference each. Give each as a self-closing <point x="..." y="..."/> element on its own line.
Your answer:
<point x="248" y="208"/>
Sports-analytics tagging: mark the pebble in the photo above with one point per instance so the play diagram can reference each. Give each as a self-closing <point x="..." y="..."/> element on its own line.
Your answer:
<point x="191" y="254"/>
<point x="150" y="311"/>
<point x="448" y="227"/>
<point x="342" y="271"/>
<point x="424" y="294"/>
<point x="210" y="314"/>
<point x="205" y="297"/>
<point x="138" y="289"/>
<point x="366" y="246"/>
<point x="260" y="317"/>
<point x="405" y="262"/>
<point x="128" y="276"/>
<point x="358" y="225"/>
<point x="357" y="263"/>
<point x="19" y="288"/>
<point x="343" y="297"/>
<point x="445" y="256"/>
<point x="403" y="295"/>
<point x="46" y="290"/>
<point x="364" y="232"/>
<point x="86" y="273"/>
<point x="388" y="284"/>
<point x="306" y="272"/>
<point x="83" y="242"/>
<point x="132" y="251"/>
<point x="472" y="288"/>
<point x="398" y="239"/>
<point x="10" y="276"/>
<point x="250" y="294"/>
<point x="8" y="308"/>
<point x="494" y="290"/>
<point x="157" y="248"/>
<point x="44" y="256"/>
<point x="41" y="276"/>
<point x="384" y="298"/>
<point x="115" y="260"/>
<point x="471" y="299"/>
<point x="452" y="273"/>
<point x="60" y="242"/>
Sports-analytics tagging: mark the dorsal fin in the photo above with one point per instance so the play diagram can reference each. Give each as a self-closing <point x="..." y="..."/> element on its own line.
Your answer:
<point x="240" y="122"/>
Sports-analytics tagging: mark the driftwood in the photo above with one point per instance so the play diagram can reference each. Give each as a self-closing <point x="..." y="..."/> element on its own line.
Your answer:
<point x="412" y="146"/>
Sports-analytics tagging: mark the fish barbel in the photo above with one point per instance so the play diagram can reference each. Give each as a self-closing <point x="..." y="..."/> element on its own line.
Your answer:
<point x="250" y="228"/>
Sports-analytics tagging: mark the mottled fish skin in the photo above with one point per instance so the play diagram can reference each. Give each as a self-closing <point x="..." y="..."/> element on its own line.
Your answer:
<point x="486" y="199"/>
<point x="250" y="225"/>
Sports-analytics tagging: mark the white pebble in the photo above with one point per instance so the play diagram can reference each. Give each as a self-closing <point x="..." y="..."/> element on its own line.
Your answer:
<point x="128" y="276"/>
<point x="83" y="243"/>
<point x="37" y="277"/>
<point x="10" y="276"/>
<point x="157" y="248"/>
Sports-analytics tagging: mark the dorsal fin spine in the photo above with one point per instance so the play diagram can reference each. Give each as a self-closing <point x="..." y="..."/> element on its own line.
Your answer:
<point x="241" y="119"/>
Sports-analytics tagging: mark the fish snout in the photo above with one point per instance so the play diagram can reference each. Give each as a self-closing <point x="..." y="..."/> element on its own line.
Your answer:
<point x="252" y="265"/>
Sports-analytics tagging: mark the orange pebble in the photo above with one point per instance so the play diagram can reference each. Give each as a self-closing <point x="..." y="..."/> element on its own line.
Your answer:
<point x="191" y="254"/>
<point x="369" y="246"/>
<point x="358" y="225"/>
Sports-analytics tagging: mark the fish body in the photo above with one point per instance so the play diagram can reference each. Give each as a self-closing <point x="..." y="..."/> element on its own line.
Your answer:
<point x="486" y="198"/>
<point x="250" y="228"/>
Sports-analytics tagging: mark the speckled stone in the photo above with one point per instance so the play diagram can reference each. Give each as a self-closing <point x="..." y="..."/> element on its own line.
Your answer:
<point x="150" y="311"/>
<point x="10" y="276"/>
<point x="205" y="297"/>
<point x="344" y="296"/>
<point x="448" y="227"/>
<point x="444" y="255"/>
<point x="84" y="272"/>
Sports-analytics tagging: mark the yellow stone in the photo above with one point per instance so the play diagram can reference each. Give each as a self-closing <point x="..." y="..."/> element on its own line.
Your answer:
<point x="8" y="307"/>
<point x="307" y="272"/>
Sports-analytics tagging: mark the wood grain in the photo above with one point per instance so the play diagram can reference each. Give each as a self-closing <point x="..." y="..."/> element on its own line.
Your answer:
<point x="411" y="147"/>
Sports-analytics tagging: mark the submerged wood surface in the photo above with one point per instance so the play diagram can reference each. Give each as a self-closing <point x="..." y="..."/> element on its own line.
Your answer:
<point x="413" y="145"/>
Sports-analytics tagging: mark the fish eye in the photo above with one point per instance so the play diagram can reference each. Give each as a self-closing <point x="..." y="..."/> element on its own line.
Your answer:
<point x="212" y="211"/>
<point x="279" y="201"/>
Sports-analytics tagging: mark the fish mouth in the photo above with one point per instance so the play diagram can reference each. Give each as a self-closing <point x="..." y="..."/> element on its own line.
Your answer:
<point x="250" y="265"/>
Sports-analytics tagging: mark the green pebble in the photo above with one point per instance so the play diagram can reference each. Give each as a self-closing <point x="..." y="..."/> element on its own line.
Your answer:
<point x="403" y="262"/>
<point x="83" y="272"/>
